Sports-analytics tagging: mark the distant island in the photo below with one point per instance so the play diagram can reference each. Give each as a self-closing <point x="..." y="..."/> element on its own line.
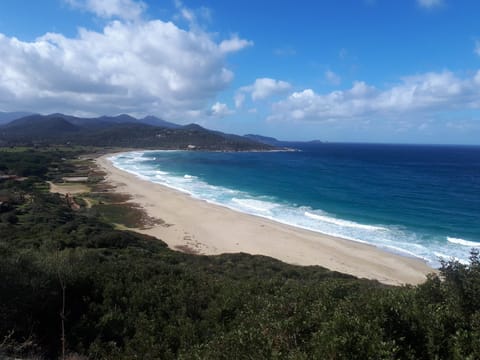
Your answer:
<point x="280" y="143"/>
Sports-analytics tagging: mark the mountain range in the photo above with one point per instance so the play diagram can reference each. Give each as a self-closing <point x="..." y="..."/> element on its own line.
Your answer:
<point x="21" y="128"/>
<point x="6" y="117"/>
<point x="118" y="131"/>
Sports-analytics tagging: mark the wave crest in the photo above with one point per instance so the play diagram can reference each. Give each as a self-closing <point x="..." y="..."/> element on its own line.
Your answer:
<point x="463" y="242"/>
<point x="344" y="223"/>
<point x="253" y="204"/>
<point x="392" y="238"/>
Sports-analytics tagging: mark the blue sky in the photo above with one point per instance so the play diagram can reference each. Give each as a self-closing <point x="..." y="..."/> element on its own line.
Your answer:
<point x="405" y="71"/>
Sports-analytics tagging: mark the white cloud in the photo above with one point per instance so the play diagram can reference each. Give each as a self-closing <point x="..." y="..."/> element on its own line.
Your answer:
<point x="477" y="78"/>
<point x="220" y="110"/>
<point x="426" y="93"/>
<point x="477" y="47"/>
<point x="234" y="44"/>
<point x="430" y="3"/>
<point x="187" y="14"/>
<point x="263" y="88"/>
<point x="136" y="67"/>
<point x="239" y="99"/>
<point x="124" y="9"/>
<point x="192" y="16"/>
<point x="332" y="78"/>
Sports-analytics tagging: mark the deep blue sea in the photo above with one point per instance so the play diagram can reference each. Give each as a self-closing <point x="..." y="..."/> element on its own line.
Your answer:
<point x="421" y="201"/>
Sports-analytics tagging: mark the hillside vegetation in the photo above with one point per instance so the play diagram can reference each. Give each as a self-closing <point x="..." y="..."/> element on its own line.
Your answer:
<point x="71" y="283"/>
<point x="120" y="131"/>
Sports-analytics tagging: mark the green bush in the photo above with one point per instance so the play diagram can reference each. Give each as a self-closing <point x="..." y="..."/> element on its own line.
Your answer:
<point x="129" y="296"/>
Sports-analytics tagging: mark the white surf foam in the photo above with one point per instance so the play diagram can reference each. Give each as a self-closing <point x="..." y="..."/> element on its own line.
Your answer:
<point x="391" y="238"/>
<point x="258" y="205"/>
<point x="189" y="177"/>
<point x="446" y="257"/>
<point x="463" y="242"/>
<point x="341" y="222"/>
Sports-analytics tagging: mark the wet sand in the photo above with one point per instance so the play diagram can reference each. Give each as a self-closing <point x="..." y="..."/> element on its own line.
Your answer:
<point x="197" y="226"/>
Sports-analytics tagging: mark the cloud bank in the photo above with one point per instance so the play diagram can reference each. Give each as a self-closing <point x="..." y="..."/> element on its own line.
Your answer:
<point x="430" y="92"/>
<point x="261" y="89"/>
<point x="137" y="67"/>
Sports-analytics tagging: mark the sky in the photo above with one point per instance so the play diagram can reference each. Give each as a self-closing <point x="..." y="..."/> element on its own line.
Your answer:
<point x="388" y="71"/>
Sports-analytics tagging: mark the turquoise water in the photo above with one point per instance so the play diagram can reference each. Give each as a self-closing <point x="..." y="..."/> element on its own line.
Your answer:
<point x="421" y="201"/>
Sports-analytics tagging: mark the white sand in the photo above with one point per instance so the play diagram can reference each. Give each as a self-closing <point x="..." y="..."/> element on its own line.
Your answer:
<point x="70" y="188"/>
<point x="209" y="229"/>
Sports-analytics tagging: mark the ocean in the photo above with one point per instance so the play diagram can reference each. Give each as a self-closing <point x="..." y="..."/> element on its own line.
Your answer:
<point x="419" y="201"/>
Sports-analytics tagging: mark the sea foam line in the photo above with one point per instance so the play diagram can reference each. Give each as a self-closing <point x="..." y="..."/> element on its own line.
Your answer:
<point x="340" y="222"/>
<point x="386" y="238"/>
<point x="254" y="204"/>
<point x="296" y="216"/>
<point x="463" y="242"/>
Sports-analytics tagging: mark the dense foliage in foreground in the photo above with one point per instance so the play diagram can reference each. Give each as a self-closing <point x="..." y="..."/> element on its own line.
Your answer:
<point x="128" y="296"/>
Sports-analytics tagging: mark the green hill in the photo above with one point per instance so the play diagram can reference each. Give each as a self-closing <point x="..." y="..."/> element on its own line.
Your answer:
<point x="119" y="131"/>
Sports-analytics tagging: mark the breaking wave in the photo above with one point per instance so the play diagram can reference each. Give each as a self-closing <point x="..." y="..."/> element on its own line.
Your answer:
<point x="393" y="238"/>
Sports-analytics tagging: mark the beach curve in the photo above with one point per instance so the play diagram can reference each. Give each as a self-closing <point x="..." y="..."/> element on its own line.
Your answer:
<point x="210" y="229"/>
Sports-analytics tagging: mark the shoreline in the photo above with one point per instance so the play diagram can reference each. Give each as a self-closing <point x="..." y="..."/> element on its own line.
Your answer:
<point x="200" y="227"/>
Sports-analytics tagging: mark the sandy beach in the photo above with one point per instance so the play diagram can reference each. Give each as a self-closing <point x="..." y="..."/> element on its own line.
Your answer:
<point x="204" y="228"/>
